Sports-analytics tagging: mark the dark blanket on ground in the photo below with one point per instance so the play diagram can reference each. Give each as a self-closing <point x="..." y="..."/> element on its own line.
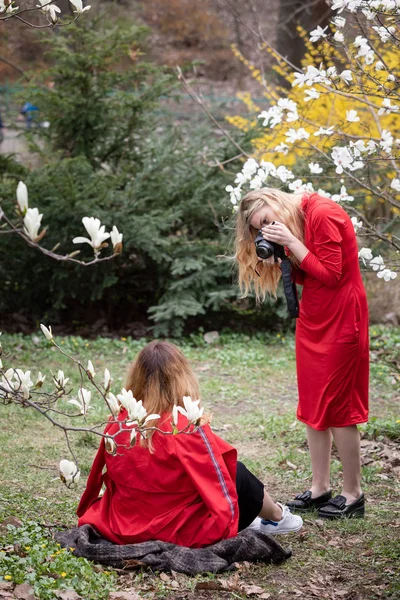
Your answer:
<point x="250" y="545"/>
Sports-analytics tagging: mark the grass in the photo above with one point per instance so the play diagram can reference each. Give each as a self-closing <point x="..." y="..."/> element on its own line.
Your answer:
<point x="249" y="385"/>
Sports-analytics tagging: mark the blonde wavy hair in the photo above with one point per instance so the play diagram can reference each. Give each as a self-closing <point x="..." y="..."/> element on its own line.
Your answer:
<point x="289" y="213"/>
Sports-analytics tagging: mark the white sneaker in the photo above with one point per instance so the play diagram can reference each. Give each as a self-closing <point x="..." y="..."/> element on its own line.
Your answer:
<point x="256" y="524"/>
<point x="287" y="524"/>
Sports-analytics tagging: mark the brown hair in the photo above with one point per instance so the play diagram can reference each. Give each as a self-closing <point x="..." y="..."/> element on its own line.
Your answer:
<point x="288" y="213"/>
<point x="160" y="376"/>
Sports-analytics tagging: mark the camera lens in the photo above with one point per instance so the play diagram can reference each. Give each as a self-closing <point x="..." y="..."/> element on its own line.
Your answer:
<point x="264" y="249"/>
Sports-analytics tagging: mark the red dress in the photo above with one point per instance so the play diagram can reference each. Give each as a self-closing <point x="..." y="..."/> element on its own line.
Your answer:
<point x="332" y="349"/>
<point x="184" y="492"/>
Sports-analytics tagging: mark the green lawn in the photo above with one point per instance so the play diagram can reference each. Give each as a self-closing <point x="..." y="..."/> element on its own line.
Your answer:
<point x="249" y="385"/>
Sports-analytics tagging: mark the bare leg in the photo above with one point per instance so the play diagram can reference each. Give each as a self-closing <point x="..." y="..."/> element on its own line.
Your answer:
<point x="320" y="446"/>
<point x="347" y="441"/>
<point x="270" y="510"/>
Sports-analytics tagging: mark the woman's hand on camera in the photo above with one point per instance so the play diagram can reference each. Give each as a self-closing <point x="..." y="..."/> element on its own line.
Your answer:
<point x="278" y="232"/>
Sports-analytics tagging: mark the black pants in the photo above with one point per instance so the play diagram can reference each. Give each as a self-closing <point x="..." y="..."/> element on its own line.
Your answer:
<point x="250" y="493"/>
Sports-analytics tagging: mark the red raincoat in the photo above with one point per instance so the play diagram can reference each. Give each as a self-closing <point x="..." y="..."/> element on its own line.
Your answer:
<point x="184" y="492"/>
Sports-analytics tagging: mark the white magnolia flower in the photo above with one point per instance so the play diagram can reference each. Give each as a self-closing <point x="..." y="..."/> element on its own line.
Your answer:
<point x="32" y="220"/>
<point x="346" y="76"/>
<point x="282" y="173"/>
<point x="369" y="14"/>
<point x="110" y="445"/>
<point x="96" y="231"/>
<point x="310" y="77"/>
<point x="315" y="169"/>
<point x="22" y="197"/>
<point x="293" y="135"/>
<point x="351" y="116"/>
<point x="331" y="73"/>
<point x="272" y="117"/>
<point x="7" y="8"/>
<point x="379" y="66"/>
<point x="318" y="34"/>
<point x="83" y="401"/>
<point x="339" y="22"/>
<point x="107" y="379"/>
<point x="7" y="382"/>
<point x="60" y="380"/>
<point x="175" y="415"/>
<point x="385" y="33"/>
<point x="135" y="409"/>
<point x="343" y="196"/>
<point x="299" y="186"/>
<point x="249" y="168"/>
<point x="357" y="225"/>
<point x="40" y="380"/>
<point x="395" y="184"/>
<point x="371" y="146"/>
<point x="282" y="148"/>
<point x="294" y="186"/>
<point x="191" y="411"/>
<point x="90" y="369"/>
<point x="77" y="4"/>
<point x="388" y="107"/>
<point x="113" y="404"/>
<point x="235" y="194"/>
<point x="69" y="473"/>
<point x="391" y="77"/>
<point x="116" y="237"/>
<point x="47" y="332"/>
<point x="364" y="50"/>
<point x="387" y="274"/>
<point x="365" y="254"/>
<point x="23" y="382"/>
<point x="258" y="179"/>
<point x="324" y="131"/>
<point x="386" y="142"/>
<point x="342" y="158"/>
<point x="377" y="263"/>
<point x="311" y="94"/>
<point x="339" y="37"/>
<point x="50" y="9"/>
<point x="323" y="193"/>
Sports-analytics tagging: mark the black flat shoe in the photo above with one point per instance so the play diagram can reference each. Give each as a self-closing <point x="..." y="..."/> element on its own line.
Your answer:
<point x="337" y="508"/>
<point x="303" y="502"/>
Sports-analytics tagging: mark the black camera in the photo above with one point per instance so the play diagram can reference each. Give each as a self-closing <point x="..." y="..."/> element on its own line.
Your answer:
<point x="265" y="249"/>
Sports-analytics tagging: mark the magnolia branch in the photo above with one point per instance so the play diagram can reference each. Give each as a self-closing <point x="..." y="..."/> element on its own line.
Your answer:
<point x="50" y="253"/>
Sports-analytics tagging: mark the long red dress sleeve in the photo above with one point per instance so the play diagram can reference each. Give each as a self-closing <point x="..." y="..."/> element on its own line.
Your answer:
<point x="184" y="492"/>
<point x="332" y="349"/>
<point x="325" y="264"/>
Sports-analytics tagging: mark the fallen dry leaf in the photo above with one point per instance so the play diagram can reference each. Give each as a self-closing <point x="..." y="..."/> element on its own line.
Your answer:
<point x="265" y="596"/>
<point x="252" y="589"/>
<point x="132" y="563"/>
<point x="124" y="595"/>
<point x="291" y="465"/>
<point x="24" y="591"/>
<point x="208" y="585"/>
<point x="68" y="594"/>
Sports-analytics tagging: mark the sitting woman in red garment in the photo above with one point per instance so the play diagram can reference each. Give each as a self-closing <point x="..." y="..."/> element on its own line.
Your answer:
<point x="185" y="488"/>
<point x="332" y="354"/>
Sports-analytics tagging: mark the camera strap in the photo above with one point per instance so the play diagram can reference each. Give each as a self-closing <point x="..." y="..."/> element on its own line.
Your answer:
<point x="289" y="287"/>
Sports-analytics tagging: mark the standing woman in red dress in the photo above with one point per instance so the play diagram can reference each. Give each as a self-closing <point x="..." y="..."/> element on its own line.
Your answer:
<point x="332" y="350"/>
